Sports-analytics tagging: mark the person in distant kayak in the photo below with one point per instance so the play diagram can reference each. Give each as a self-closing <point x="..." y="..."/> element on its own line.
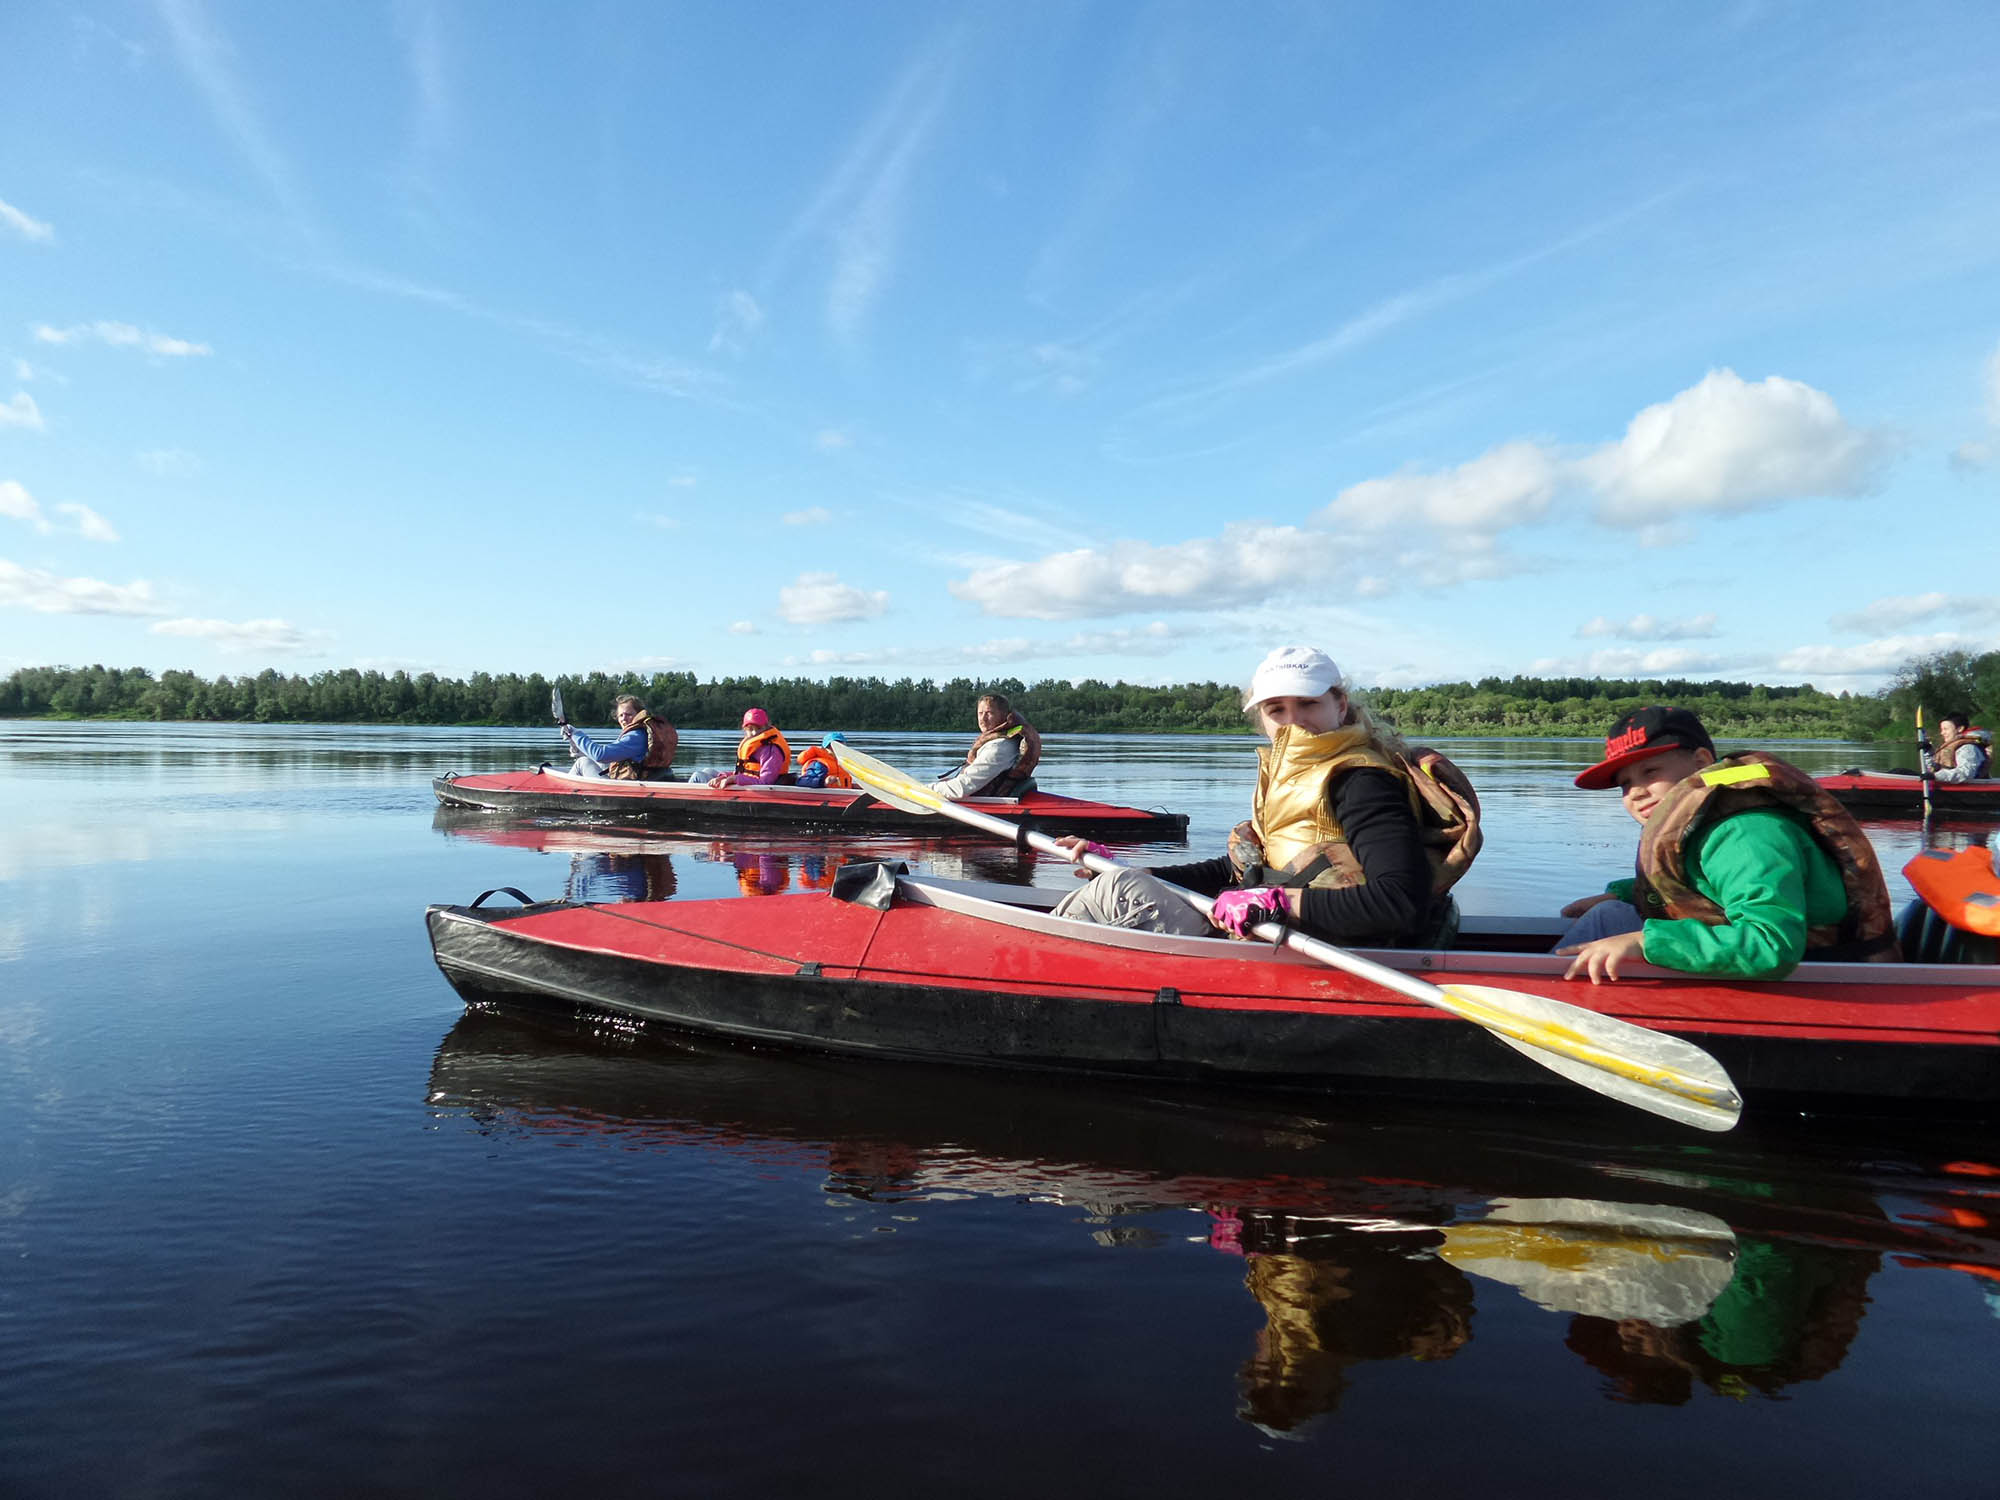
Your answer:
<point x="762" y="756"/>
<point x="1962" y="754"/>
<point x="1746" y="864"/>
<point x="1001" y="762"/>
<point x="1335" y="844"/>
<point x="644" y="750"/>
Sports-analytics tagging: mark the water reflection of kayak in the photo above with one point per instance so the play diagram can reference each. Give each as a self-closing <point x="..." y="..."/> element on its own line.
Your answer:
<point x="549" y="793"/>
<point x="1362" y="1238"/>
<point x="983" y="975"/>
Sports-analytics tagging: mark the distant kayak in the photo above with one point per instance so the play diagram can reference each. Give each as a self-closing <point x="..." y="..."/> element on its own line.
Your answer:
<point x="1874" y="791"/>
<point x="687" y="804"/>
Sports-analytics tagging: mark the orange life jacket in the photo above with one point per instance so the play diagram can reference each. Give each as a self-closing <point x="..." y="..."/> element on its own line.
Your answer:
<point x="662" y="742"/>
<point x="819" y="755"/>
<point x="1740" y="783"/>
<point x="1962" y="888"/>
<point x="746" y="752"/>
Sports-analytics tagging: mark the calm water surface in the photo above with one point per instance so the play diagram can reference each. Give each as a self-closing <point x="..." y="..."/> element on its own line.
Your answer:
<point x="276" y="1215"/>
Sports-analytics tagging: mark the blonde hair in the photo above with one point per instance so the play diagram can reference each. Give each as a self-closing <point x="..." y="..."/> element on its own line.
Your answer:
<point x="1383" y="737"/>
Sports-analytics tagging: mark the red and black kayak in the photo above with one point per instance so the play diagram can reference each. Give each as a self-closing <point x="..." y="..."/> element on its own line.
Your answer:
<point x="955" y="972"/>
<point x="1903" y="793"/>
<point x="545" y="792"/>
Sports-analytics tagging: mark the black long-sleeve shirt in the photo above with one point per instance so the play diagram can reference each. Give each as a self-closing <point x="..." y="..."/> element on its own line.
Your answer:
<point x="1374" y="812"/>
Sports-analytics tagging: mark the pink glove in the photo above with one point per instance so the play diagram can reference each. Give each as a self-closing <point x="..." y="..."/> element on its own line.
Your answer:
<point x="1237" y="911"/>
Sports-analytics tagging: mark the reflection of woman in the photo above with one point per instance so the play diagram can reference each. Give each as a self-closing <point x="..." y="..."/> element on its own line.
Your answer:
<point x="620" y="877"/>
<point x="1334" y="1297"/>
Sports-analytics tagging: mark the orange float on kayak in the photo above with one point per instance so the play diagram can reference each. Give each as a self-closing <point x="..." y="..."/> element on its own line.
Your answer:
<point x="1962" y="888"/>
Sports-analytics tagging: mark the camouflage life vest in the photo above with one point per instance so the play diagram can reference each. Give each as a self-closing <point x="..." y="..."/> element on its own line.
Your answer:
<point x="1741" y="783"/>
<point x="746" y="751"/>
<point x="663" y="741"/>
<point x="1293" y="837"/>
<point x="1018" y="774"/>
<point x="1945" y="757"/>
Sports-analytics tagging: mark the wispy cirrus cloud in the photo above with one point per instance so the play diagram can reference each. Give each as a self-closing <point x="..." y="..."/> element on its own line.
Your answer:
<point x="859" y="209"/>
<point x="822" y="599"/>
<point x="812" y="515"/>
<point x="738" y="317"/>
<point x="46" y="593"/>
<point x="1156" y="639"/>
<point x="21" y="411"/>
<point x="272" y="637"/>
<point x="420" y="28"/>
<point x="208" y="57"/>
<point x="169" y="463"/>
<point x="121" y="336"/>
<point x="1664" y="661"/>
<point x="30" y="229"/>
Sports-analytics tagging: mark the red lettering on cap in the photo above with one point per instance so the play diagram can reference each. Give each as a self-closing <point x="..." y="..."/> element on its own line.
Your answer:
<point x="1631" y="739"/>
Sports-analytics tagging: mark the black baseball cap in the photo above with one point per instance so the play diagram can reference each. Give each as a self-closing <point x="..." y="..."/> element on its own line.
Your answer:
<point x="1644" y="732"/>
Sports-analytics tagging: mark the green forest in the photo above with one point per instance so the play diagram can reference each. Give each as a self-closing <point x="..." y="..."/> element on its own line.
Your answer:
<point x="1575" y="706"/>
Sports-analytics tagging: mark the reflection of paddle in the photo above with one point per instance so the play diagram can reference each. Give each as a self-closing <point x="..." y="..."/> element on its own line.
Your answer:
<point x="1606" y="1260"/>
<point x="1646" y="1069"/>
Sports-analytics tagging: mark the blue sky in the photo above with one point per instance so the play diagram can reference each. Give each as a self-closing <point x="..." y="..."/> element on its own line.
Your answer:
<point x="1036" y="340"/>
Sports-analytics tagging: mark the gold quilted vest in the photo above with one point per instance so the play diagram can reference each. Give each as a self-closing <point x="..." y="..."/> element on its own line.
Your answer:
<point x="1291" y="818"/>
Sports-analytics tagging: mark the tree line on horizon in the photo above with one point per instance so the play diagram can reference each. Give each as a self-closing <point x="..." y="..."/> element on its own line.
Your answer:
<point x="1568" y="706"/>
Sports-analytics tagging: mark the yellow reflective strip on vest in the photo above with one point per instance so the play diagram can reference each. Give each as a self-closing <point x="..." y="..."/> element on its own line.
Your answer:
<point x="1730" y="775"/>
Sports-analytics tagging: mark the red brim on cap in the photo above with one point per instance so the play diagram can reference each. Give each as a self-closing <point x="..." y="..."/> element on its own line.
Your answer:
<point x="1599" y="776"/>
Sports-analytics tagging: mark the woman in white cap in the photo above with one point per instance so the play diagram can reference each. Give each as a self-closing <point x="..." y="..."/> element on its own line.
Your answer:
<point x="1333" y="842"/>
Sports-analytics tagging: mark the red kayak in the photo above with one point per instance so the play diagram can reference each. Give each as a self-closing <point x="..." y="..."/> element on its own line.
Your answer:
<point x="1870" y="791"/>
<point x="545" y="792"/>
<point x="950" y="971"/>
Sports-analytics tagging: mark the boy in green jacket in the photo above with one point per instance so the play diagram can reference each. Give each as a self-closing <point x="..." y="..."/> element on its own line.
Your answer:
<point x="1745" y="865"/>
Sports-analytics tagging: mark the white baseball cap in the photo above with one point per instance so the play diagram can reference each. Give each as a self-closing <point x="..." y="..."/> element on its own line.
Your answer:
<point x="1293" y="672"/>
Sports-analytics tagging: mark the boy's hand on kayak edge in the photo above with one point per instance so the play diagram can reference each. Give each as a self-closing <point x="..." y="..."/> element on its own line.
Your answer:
<point x="1602" y="957"/>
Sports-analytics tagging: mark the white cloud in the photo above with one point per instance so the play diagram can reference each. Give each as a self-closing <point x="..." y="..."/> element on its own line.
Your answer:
<point x="1649" y="628"/>
<point x="1969" y="458"/>
<point x="89" y="524"/>
<point x="743" y="627"/>
<point x="737" y="319"/>
<point x="1249" y="563"/>
<point x="816" y="515"/>
<point x="170" y="463"/>
<point x="45" y="593"/>
<point x="822" y="599"/>
<point x="831" y="440"/>
<point x="16" y="504"/>
<point x="659" y="521"/>
<point x="1670" y="661"/>
<point x="33" y="230"/>
<point x="683" y="481"/>
<point x="1509" y="486"/>
<point x="21" y="412"/>
<point x="1884" y="654"/>
<point x="1726" y="446"/>
<point x="237" y="638"/>
<point x="121" y="336"/>
<point x="1156" y="639"/>
<point x="1913" y="609"/>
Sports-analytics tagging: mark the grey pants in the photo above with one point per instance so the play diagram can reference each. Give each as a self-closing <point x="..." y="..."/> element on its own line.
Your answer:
<point x="1132" y="898"/>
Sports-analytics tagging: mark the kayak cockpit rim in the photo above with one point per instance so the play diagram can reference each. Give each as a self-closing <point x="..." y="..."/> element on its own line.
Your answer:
<point x="1027" y="908"/>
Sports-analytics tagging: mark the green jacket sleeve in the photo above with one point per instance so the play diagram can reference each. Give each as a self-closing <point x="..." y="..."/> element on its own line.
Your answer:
<point x="1753" y="866"/>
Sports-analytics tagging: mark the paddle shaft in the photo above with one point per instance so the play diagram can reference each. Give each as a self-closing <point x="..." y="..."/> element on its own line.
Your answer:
<point x="1560" y="1038"/>
<point x="1927" y="766"/>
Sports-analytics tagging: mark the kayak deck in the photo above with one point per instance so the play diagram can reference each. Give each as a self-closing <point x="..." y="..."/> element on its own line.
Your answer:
<point x="544" y="792"/>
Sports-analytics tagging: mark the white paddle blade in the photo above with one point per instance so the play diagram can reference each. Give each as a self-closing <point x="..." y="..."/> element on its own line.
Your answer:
<point x="1632" y="1064"/>
<point x="885" y="781"/>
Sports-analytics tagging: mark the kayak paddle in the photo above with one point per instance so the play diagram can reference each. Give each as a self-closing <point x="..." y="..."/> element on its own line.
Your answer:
<point x="1925" y="766"/>
<point x="1632" y="1064"/>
